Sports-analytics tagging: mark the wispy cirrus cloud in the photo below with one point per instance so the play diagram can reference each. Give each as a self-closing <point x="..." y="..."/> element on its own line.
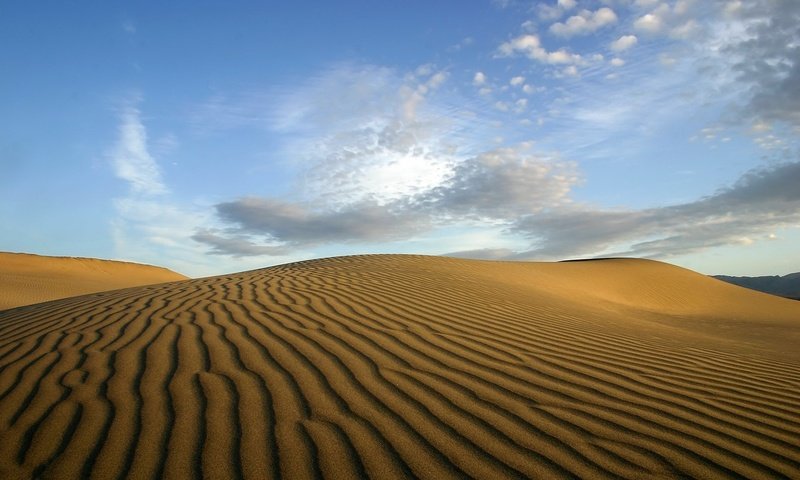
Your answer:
<point x="130" y="156"/>
<point x="150" y="225"/>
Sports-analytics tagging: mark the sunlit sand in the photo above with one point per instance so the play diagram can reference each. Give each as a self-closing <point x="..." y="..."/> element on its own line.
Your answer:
<point x="26" y="279"/>
<point x="395" y="366"/>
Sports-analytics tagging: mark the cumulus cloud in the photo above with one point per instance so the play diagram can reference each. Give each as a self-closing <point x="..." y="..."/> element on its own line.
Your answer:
<point x="585" y="22"/>
<point x="675" y="20"/>
<point x="479" y="79"/>
<point x="760" y="201"/>
<point x="530" y="46"/>
<point x="686" y="30"/>
<point x="623" y="43"/>
<point x="552" y="12"/>
<point x="650" y="23"/>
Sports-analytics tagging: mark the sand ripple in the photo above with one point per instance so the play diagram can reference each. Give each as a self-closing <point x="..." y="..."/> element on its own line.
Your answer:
<point x="402" y="367"/>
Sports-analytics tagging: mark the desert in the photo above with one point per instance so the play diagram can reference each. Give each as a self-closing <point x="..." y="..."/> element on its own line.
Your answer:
<point x="324" y="240"/>
<point x="405" y="366"/>
<point x="26" y="279"/>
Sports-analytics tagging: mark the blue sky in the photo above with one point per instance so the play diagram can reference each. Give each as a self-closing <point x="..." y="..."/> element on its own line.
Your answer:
<point x="212" y="137"/>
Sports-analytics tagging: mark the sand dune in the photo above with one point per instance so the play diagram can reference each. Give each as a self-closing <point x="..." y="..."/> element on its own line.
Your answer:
<point x="26" y="279"/>
<point x="406" y="366"/>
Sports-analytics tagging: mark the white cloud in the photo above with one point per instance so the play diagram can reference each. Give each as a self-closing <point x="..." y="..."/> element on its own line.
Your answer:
<point x="760" y="126"/>
<point x="617" y="62"/>
<point x="570" y="71"/>
<point x="130" y="157"/>
<point x="672" y="20"/>
<point x="149" y="226"/>
<point x="584" y="22"/>
<point x="436" y="80"/>
<point x="517" y="81"/>
<point x="479" y="79"/>
<point x="681" y="7"/>
<point x="424" y="70"/>
<point x="524" y="43"/>
<point x="530" y="46"/>
<point x="502" y="184"/>
<point x="392" y="137"/>
<point x="732" y="8"/>
<point x="552" y="12"/>
<point x="685" y="30"/>
<point x="650" y="23"/>
<point x="497" y="186"/>
<point x="623" y="43"/>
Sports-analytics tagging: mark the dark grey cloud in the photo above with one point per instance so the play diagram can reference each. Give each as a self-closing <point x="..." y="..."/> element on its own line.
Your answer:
<point x="292" y="226"/>
<point x="498" y="185"/>
<point x="236" y="245"/>
<point x="296" y="224"/>
<point x="767" y="59"/>
<point x="762" y="200"/>
<point x="529" y="196"/>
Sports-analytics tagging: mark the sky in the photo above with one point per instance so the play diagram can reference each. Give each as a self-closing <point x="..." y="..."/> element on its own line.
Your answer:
<point x="211" y="137"/>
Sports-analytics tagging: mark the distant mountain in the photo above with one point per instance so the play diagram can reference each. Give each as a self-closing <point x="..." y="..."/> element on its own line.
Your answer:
<point x="785" y="286"/>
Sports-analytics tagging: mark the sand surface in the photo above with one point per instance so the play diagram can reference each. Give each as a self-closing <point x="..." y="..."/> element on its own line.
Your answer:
<point x="406" y="366"/>
<point x="26" y="279"/>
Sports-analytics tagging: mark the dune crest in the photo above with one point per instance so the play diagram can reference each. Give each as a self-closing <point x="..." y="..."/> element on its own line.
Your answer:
<point x="394" y="366"/>
<point x="26" y="279"/>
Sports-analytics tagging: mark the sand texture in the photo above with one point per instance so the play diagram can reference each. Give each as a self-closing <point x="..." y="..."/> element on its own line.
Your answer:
<point x="391" y="366"/>
<point x="27" y="279"/>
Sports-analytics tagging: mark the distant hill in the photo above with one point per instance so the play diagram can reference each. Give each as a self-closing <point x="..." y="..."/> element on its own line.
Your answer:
<point x="784" y="286"/>
<point x="26" y="279"/>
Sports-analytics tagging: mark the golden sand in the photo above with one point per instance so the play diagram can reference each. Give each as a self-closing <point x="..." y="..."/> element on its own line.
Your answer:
<point x="391" y="366"/>
<point x="26" y="279"/>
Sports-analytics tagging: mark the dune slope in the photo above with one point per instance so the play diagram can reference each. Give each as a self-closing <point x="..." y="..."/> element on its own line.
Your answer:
<point x="26" y="279"/>
<point x="406" y="366"/>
